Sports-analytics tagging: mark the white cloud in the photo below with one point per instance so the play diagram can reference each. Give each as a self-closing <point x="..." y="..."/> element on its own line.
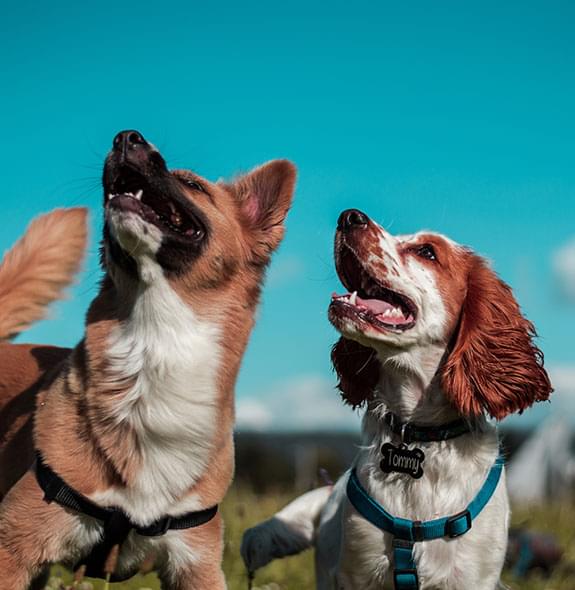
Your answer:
<point x="563" y="398"/>
<point x="563" y="379"/>
<point x="304" y="403"/>
<point x="564" y="268"/>
<point x="311" y="402"/>
<point x="252" y="414"/>
<point x="561" y="403"/>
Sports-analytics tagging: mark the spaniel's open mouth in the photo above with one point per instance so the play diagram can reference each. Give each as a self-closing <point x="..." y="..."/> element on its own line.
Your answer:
<point x="369" y="301"/>
<point x="131" y="192"/>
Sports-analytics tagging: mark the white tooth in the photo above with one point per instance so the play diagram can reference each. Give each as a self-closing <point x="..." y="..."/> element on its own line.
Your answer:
<point x="387" y="312"/>
<point x="130" y="194"/>
<point x="110" y="196"/>
<point x="139" y="194"/>
<point x="353" y="298"/>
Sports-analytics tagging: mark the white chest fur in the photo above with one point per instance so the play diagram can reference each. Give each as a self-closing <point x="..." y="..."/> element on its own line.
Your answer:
<point x="453" y="474"/>
<point x="173" y="356"/>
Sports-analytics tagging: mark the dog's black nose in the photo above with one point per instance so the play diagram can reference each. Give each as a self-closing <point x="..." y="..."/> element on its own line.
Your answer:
<point x="131" y="163"/>
<point x="129" y="147"/>
<point x="351" y="218"/>
<point x="126" y="140"/>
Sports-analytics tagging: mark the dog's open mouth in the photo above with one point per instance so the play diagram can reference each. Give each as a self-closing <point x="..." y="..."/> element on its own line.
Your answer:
<point x="368" y="300"/>
<point x="132" y="192"/>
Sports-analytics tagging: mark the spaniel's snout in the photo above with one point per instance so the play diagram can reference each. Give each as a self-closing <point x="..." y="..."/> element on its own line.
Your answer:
<point x="351" y="219"/>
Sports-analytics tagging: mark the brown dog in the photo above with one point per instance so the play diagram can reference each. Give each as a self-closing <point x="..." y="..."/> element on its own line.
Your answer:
<point x="139" y="416"/>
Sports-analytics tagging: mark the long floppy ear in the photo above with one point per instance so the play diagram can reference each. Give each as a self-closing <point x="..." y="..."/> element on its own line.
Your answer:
<point x="357" y="369"/>
<point x="494" y="365"/>
<point x="265" y="195"/>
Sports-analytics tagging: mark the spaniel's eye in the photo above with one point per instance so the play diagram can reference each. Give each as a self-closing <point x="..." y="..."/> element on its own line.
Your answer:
<point x="426" y="251"/>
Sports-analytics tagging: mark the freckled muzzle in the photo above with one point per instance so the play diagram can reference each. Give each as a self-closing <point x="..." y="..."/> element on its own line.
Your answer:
<point x="369" y="302"/>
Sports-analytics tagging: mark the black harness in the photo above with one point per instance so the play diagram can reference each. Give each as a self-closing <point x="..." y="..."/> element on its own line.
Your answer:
<point x="117" y="524"/>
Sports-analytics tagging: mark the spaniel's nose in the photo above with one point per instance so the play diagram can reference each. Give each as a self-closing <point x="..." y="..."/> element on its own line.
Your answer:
<point x="351" y="218"/>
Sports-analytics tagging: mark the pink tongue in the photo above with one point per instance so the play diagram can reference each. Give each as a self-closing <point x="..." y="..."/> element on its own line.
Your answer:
<point x="378" y="307"/>
<point x="374" y="305"/>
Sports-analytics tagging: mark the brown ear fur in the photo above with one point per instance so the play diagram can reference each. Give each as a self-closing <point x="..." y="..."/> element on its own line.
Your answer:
<point x="494" y="365"/>
<point x="265" y="195"/>
<point x="357" y="369"/>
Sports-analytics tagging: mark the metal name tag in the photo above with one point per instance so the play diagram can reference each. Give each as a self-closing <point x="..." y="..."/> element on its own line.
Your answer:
<point x="402" y="460"/>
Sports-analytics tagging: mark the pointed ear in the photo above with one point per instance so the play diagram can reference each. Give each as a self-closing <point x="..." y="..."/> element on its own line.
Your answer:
<point x="494" y="365"/>
<point x="264" y="196"/>
<point x="357" y="369"/>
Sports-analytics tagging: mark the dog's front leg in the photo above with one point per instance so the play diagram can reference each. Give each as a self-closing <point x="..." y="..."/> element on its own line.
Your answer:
<point x="194" y="558"/>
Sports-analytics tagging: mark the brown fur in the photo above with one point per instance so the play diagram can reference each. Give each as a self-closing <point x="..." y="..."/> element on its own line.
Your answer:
<point x="74" y="390"/>
<point x="38" y="268"/>
<point x="493" y="365"/>
<point x="357" y="369"/>
<point x="21" y="370"/>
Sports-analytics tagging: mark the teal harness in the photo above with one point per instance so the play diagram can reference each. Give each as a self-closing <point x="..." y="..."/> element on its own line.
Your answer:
<point x="407" y="532"/>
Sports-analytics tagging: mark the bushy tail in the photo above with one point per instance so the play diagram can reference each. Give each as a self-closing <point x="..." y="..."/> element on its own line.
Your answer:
<point x="39" y="267"/>
<point x="290" y="531"/>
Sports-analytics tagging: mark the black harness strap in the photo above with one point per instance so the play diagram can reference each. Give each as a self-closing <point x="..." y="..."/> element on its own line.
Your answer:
<point x="117" y="524"/>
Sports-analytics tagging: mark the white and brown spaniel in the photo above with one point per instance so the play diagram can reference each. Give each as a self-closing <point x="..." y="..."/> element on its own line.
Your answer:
<point x="433" y="344"/>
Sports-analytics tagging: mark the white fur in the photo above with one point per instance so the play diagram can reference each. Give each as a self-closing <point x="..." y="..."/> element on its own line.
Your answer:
<point x="138" y="238"/>
<point x="174" y="357"/>
<point x="413" y="279"/>
<point x="351" y="553"/>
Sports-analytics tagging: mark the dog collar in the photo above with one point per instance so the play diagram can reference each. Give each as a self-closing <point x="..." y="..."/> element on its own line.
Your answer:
<point x="411" y="432"/>
<point x="117" y="524"/>
<point x="407" y="532"/>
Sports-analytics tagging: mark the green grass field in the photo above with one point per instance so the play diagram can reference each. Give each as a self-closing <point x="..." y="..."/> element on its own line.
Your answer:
<point x="243" y="509"/>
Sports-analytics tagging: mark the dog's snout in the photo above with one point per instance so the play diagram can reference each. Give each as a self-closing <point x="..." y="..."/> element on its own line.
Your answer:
<point x="130" y="147"/>
<point x="129" y="139"/>
<point x="351" y="218"/>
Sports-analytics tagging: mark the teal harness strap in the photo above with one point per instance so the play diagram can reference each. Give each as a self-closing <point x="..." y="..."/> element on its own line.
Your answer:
<point x="407" y="532"/>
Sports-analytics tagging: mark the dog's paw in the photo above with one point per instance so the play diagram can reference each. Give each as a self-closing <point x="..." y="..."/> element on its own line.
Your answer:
<point x="272" y="539"/>
<point x="257" y="546"/>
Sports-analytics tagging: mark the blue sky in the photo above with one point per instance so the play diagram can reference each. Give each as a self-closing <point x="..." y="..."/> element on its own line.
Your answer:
<point x="451" y="116"/>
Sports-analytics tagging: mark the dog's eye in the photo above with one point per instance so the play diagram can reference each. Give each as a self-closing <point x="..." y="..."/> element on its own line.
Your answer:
<point x="198" y="234"/>
<point x="195" y="186"/>
<point x="426" y="251"/>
